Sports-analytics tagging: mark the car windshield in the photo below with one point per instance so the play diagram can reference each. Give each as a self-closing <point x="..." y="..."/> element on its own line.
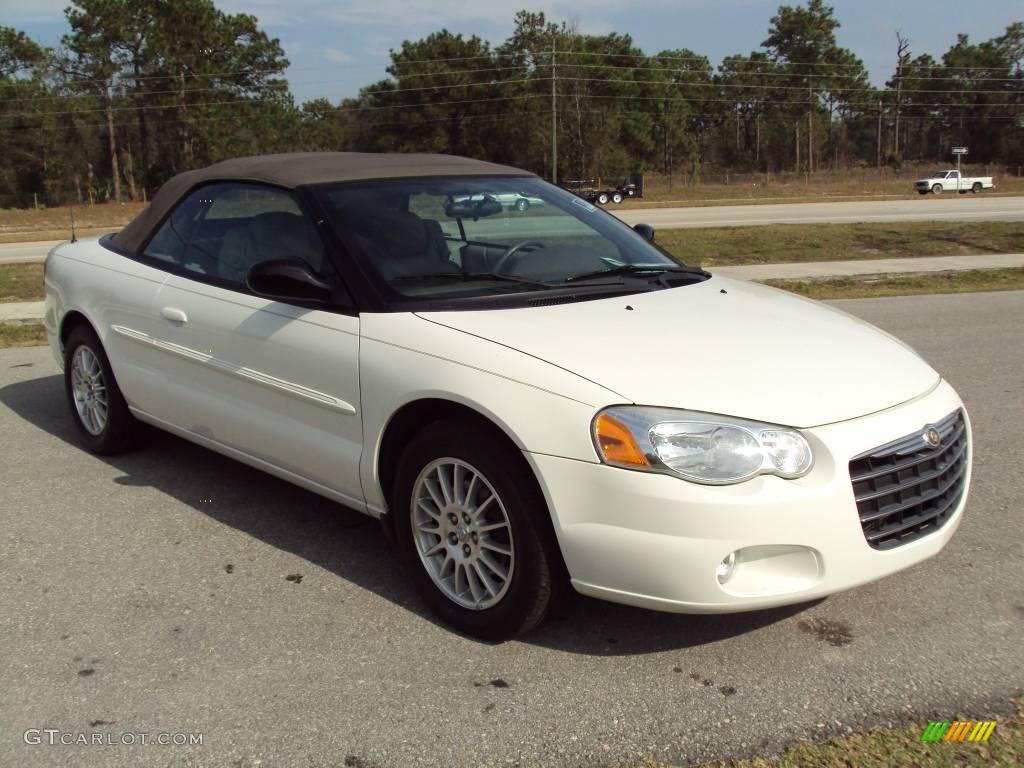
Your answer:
<point x="471" y="237"/>
<point x="938" y="175"/>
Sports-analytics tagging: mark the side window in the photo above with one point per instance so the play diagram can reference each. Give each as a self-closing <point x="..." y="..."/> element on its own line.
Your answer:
<point x="223" y="230"/>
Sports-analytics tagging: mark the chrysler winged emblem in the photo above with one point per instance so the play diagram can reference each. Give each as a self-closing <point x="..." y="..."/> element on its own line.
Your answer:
<point x="931" y="437"/>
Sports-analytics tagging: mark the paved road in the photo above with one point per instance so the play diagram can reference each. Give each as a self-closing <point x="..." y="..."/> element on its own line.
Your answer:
<point x="12" y="253"/>
<point x="947" y="208"/>
<point x="117" y="606"/>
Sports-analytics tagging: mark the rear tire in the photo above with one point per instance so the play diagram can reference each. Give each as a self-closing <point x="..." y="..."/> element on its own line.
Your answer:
<point x="488" y="568"/>
<point x="936" y="189"/>
<point x="976" y="187"/>
<point x="522" y="204"/>
<point x="101" y="415"/>
<point x="617" y="197"/>
<point x="603" y="198"/>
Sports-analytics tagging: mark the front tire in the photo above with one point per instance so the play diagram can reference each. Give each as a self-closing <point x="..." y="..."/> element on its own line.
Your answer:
<point x="470" y="526"/>
<point x="936" y="189"/>
<point x="617" y="198"/>
<point x="603" y="198"/>
<point x="522" y="204"/>
<point x="101" y="415"/>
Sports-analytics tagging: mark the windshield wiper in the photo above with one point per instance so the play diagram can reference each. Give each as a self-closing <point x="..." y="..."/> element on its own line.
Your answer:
<point x="631" y="269"/>
<point x="471" y="277"/>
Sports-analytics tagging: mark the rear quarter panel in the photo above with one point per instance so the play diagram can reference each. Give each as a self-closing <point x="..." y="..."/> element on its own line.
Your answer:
<point x="107" y="289"/>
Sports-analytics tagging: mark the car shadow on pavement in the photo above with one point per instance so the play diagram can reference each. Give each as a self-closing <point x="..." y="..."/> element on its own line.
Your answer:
<point x="352" y="545"/>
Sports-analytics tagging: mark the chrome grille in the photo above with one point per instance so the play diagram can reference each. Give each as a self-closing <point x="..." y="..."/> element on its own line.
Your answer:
<point x="907" y="489"/>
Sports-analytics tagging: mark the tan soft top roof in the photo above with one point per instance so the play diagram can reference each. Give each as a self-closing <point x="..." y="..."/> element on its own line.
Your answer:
<point x="302" y="168"/>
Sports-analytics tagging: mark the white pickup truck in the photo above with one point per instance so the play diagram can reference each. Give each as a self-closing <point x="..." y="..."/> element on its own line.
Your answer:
<point x="951" y="181"/>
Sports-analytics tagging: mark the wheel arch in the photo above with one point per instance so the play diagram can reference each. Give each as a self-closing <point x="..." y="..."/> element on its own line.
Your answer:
<point x="71" y="320"/>
<point x="414" y="416"/>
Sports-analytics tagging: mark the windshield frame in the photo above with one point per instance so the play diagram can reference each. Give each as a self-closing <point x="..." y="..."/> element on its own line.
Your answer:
<point x="510" y="294"/>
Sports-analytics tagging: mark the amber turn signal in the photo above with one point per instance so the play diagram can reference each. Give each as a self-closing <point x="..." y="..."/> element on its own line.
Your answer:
<point x="617" y="444"/>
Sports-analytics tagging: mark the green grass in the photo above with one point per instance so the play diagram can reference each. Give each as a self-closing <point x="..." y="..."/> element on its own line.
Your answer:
<point x="900" y="747"/>
<point x="21" y="282"/>
<point x="777" y="243"/>
<point x="907" y="285"/>
<point x="11" y="335"/>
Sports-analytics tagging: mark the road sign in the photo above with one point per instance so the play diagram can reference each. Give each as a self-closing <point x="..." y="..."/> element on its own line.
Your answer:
<point x="959" y="150"/>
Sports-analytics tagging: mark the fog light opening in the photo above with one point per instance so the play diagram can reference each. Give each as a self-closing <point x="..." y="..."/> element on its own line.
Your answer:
<point x="725" y="568"/>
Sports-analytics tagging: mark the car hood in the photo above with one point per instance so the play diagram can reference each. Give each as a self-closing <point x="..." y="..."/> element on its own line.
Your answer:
<point x="721" y="346"/>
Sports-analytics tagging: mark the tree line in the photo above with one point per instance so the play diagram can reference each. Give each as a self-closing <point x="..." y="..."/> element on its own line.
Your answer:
<point x="137" y="92"/>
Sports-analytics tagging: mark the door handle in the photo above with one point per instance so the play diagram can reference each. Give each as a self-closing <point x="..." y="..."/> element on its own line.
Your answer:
<point x="174" y="315"/>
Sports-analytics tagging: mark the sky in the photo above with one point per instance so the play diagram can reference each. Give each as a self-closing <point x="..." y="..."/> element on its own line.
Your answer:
<point x="336" y="46"/>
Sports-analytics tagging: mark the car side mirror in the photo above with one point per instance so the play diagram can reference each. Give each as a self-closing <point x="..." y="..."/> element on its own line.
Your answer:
<point x="646" y="231"/>
<point x="287" y="280"/>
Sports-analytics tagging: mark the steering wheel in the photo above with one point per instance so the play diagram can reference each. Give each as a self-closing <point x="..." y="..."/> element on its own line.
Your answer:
<point x="507" y="255"/>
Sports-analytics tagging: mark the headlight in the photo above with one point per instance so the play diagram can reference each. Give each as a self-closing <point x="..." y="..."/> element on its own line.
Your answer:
<point x="701" y="447"/>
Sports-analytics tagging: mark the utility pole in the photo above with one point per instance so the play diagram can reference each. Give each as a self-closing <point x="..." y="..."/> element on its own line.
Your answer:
<point x="902" y="46"/>
<point x="798" y="146"/>
<point x="554" y="116"/>
<point x="810" y="133"/>
<point x="879" y="150"/>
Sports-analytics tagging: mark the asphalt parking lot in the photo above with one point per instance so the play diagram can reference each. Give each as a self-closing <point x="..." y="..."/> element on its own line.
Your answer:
<point x="173" y="590"/>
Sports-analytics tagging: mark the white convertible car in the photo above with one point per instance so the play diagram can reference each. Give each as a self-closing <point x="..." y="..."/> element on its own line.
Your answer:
<point x="526" y="399"/>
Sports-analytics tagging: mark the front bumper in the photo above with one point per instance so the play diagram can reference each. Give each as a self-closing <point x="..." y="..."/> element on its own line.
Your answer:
<point x="655" y="541"/>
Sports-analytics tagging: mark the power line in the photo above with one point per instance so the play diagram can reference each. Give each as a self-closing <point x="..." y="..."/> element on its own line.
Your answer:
<point x="765" y="87"/>
<point x="500" y="83"/>
<point x="286" y="87"/>
<point x="281" y="70"/>
<point x="259" y="102"/>
<point x="722" y="72"/>
<point x="765" y="62"/>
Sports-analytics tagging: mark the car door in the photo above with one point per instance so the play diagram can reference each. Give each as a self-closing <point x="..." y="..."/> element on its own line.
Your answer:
<point x="276" y="381"/>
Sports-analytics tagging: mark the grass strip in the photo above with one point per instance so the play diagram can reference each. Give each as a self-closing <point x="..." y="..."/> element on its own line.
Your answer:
<point x="21" y="282"/>
<point x="900" y="747"/>
<point x="19" y="335"/>
<point x="906" y="285"/>
<point x="778" y="243"/>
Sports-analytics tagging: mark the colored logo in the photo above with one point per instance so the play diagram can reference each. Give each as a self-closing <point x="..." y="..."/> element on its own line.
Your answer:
<point x="959" y="730"/>
<point x="932" y="437"/>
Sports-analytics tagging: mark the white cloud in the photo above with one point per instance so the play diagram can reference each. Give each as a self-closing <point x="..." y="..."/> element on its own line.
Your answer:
<point x="337" y="56"/>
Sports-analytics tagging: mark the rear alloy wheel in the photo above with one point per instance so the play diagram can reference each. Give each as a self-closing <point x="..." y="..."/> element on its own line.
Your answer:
<point x="617" y="197"/>
<point x="468" y="517"/>
<point x="936" y="189"/>
<point x="976" y="187"/>
<point x="522" y="204"/>
<point x="101" y="415"/>
<point x="603" y="198"/>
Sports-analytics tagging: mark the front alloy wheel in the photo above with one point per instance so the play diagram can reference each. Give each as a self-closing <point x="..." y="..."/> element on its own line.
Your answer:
<point x="473" y="529"/>
<point x="462" y="533"/>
